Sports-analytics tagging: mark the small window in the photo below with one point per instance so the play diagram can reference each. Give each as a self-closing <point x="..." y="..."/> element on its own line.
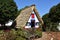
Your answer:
<point x="37" y="23"/>
<point x="28" y="24"/>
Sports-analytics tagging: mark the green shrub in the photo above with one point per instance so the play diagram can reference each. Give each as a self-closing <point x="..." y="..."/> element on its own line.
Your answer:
<point x="19" y="34"/>
<point x="38" y="33"/>
<point x="20" y="38"/>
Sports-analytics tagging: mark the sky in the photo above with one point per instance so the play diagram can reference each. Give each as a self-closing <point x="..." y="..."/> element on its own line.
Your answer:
<point x="43" y="6"/>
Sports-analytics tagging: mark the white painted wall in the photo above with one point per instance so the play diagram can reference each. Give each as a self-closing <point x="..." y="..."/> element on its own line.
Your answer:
<point x="9" y="23"/>
<point x="58" y="27"/>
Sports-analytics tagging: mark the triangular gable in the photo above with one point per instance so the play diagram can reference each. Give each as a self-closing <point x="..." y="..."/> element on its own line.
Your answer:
<point x="28" y="24"/>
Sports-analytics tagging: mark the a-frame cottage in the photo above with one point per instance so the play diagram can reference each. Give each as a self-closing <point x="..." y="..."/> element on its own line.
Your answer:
<point x="24" y="16"/>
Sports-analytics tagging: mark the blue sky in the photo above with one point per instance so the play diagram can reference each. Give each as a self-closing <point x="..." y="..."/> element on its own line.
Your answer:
<point x="43" y="6"/>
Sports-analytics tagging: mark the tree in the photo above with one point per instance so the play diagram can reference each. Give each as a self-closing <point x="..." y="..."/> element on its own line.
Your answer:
<point x="47" y="22"/>
<point x="54" y="13"/>
<point x="52" y="19"/>
<point x="8" y="11"/>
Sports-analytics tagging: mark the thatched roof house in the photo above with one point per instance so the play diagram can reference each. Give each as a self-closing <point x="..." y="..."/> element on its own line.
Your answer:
<point x="24" y="16"/>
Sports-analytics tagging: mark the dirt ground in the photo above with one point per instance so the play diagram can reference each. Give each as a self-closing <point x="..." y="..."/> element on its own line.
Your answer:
<point x="50" y="36"/>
